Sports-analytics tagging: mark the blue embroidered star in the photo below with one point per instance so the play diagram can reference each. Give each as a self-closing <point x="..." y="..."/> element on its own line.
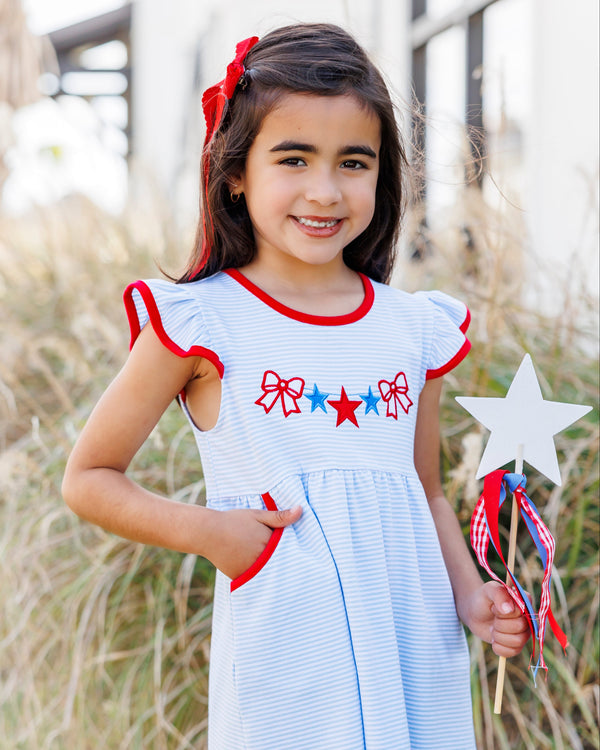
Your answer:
<point x="317" y="399"/>
<point x="370" y="400"/>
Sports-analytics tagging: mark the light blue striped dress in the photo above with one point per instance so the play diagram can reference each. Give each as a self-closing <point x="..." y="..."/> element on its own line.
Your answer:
<point x="343" y="635"/>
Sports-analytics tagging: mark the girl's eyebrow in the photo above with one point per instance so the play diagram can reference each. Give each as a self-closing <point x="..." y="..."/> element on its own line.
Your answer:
<point x="310" y="149"/>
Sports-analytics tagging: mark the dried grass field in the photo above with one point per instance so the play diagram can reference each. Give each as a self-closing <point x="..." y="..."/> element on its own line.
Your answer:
<point x="104" y="643"/>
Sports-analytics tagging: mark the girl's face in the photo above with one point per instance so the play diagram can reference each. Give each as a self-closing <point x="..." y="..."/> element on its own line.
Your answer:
<point x="310" y="179"/>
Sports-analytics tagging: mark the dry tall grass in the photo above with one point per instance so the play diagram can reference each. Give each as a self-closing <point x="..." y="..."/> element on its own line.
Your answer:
<point x="104" y="643"/>
<point x="481" y="258"/>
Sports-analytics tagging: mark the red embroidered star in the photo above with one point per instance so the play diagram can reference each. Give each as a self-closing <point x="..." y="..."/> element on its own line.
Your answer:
<point x="345" y="408"/>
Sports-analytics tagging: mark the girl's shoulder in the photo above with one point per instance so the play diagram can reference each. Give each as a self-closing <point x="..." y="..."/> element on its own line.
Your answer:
<point x="175" y="311"/>
<point x="446" y="306"/>
<point x="436" y="319"/>
<point x="182" y="290"/>
<point x="171" y="297"/>
<point x="431" y="304"/>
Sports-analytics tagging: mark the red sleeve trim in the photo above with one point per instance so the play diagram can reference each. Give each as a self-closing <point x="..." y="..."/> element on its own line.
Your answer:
<point x="464" y="326"/>
<point x="265" y="555"/>
<point x="451" y="364"/>
<point x="319" y="320"/>
<point x="155" y="320"/>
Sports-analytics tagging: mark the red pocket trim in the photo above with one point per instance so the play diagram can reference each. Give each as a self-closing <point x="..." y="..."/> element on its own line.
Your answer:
<point x="265" y="555"/>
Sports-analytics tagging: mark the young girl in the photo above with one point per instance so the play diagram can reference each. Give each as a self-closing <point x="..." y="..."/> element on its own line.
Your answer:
<point x="312" y="389"/>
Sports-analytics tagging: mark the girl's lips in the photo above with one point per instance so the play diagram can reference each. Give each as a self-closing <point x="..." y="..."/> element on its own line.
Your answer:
<point x="318" y="226"/>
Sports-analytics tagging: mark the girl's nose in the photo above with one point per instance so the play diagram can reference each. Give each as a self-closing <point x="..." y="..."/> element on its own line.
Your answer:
<point x="322" y="188"/>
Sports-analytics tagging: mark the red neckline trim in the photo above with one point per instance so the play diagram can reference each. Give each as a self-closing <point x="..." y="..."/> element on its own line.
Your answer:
<point x="317" y="320"/>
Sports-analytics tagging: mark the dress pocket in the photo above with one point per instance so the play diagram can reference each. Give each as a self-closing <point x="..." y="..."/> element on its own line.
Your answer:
<point x="265" y="555"/>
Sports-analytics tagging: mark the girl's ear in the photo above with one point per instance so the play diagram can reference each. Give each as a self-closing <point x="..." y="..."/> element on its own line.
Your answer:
<point x="236" y="185"/>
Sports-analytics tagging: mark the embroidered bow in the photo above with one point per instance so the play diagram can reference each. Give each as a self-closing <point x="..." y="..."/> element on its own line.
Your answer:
<point x="216" y="97"/>
<point x="395" y="393"/>
<point x="484" y="527"/>
<point x="276" y="388"/>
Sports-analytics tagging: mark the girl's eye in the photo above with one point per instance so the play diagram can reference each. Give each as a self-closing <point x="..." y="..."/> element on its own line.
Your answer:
<point x="353" y="164"/>
<point x="293" y="161"/>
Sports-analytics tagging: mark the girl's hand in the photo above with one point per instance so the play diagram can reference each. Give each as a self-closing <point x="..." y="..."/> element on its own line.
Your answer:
<point x="239" y="536"/>
<point x="494" y="617"/>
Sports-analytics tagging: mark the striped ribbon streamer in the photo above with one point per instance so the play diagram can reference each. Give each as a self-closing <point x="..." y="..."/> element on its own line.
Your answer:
<point x="484" y="528"/>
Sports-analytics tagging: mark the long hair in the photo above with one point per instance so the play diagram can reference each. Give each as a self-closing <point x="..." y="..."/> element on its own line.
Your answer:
<point x="320" y="59"/>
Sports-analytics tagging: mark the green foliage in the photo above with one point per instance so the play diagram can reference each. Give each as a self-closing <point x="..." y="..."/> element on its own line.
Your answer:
<point x="104" y="643"/>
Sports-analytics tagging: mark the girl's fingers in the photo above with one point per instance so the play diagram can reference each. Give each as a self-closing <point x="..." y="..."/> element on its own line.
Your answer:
<point x="503" y="605"/>
<point x="277" y="519"/>
<point x="507" y="643"/>
<point x="510" y="631"/>
<point x="511" y="626"/>
<point x="508" y="646"/>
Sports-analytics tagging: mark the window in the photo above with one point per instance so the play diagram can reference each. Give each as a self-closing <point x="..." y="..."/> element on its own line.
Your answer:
<point x="471" y="75"/>
<point x="93" y="58"/>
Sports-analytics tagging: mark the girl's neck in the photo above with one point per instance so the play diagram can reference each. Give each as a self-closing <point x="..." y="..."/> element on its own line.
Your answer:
<point x="311" y="289"/>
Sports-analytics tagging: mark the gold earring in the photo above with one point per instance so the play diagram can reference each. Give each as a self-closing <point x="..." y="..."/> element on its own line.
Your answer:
<point x="234" y="197"/>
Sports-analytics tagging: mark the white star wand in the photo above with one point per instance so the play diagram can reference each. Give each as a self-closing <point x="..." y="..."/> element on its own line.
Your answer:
<point x="522" y="428"/>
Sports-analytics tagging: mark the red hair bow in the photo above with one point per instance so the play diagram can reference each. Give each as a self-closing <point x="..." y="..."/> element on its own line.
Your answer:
<point x="214" y="101"/>
<point x="216" y="97"/>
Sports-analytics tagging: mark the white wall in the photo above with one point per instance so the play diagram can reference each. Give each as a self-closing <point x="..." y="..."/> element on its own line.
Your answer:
<point x="164" y="36"/>
<point x="562" y="146"/>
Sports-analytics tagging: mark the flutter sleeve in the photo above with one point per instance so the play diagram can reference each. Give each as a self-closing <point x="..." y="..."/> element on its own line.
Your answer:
<point x="174" y="313"/>
<point x="449" y="344"/>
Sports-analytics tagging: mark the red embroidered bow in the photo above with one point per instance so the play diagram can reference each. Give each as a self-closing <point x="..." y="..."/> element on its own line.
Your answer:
<point x="395" y="393"/>
<point x="216" y="97"/>
<point x="275" y="388"/>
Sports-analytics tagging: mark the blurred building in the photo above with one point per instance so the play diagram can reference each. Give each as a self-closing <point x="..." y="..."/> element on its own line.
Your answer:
<point x="523" y="72"/>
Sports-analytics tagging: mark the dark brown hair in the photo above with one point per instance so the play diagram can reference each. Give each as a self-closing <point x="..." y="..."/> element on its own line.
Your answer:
<point x="320" y="59"/>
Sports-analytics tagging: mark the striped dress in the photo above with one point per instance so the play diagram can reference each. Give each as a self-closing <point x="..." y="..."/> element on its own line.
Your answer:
<point x="343" y="635"/>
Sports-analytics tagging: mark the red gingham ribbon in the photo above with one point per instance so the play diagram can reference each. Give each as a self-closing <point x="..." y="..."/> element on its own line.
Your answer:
<point x="484" y="528"/>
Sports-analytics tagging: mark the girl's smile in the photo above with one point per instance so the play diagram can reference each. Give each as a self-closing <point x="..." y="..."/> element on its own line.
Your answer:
<point x="310" y="179"/>
<point x="318" y="227"/>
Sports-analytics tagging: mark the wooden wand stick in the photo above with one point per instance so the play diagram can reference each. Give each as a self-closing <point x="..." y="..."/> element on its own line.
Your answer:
<point x="512" y="549"/>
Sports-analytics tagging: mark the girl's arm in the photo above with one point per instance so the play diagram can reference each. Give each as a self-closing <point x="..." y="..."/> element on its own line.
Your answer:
<point x="485" y="608"/>
<point x="96" y="487"/>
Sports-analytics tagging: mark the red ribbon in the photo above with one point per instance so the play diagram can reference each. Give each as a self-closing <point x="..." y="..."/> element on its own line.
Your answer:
<point x="485" y="528"/>
<point x="276" y="388"/>
<point x="216" y="97"/>
<point x="214" y="101"/>
<point x="395" y="393"/>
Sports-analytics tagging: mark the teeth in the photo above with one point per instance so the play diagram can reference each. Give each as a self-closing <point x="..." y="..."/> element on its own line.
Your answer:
<point x="317" y="224"/>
